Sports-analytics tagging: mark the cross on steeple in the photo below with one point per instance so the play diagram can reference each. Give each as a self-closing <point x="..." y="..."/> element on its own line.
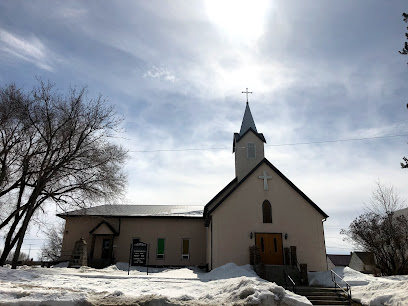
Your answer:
<point x="247" y="92"/>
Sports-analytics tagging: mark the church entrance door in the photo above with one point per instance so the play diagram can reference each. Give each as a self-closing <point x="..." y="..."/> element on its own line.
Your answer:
<point x="270" y="248"/>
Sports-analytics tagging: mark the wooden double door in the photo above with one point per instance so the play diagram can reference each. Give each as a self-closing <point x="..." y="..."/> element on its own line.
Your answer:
<point x="270" y="248"/>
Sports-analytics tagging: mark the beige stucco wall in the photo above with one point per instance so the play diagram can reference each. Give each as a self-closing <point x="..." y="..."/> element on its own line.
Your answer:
<point x="148" y="230"/>
<point x="241" y="214"/>
<point x="330" y="264"/>
<point x="244" y="165"/>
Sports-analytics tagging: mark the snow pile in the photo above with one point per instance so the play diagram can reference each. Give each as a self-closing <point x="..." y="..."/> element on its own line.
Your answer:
<point x="63" y="264"/>
<point x="226" y="285"/>
<point x="352" y="277"/>
<point x="230" y="270"/>
<point x="367" y="289"/>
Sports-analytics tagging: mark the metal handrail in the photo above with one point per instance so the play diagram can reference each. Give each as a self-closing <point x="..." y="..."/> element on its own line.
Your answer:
<point x="285" y="276"/>
<point x="348" y="287"/>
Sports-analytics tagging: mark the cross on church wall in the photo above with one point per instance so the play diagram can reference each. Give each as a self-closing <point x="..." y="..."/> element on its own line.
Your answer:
<point x="265" y="179"/>
<point x="247" y="92"/>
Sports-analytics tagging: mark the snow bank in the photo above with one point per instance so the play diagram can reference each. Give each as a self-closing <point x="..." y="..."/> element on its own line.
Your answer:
<point x="230" y="270"/>
<point x="367" y="289"/>
<point x="64" y="264"/>
<point x="352" y="277"/>
<point x="226" y="285"/>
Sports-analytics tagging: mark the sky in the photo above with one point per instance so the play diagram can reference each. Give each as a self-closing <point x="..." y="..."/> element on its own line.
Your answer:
<point x="323" y="74"/>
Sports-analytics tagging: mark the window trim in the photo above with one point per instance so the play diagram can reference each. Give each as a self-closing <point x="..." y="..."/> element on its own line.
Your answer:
<point x="161" y="255"/>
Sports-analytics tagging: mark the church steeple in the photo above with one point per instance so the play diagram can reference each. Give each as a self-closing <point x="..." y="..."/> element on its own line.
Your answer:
<point x="248" y="145"/>
<point x="248" y="121"/>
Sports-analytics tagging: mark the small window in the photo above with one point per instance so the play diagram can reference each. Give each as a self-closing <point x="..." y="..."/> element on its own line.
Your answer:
<point x="185" y="249"/>
<point x="251" y="150"/>
<point x="160" y="248"/>
<point x="267" y="212"/>
<point x="275" y="244"/>
<point x="262" y="245"/>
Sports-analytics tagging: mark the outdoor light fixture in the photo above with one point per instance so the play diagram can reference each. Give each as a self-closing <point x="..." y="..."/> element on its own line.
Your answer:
<point x="286" y="236"/>
<point x="251" y="235"/>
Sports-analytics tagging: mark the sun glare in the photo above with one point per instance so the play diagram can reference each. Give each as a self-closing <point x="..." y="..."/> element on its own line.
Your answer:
<point x="238" y="18"/>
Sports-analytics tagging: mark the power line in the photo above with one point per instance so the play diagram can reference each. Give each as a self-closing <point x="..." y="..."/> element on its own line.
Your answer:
<point x="271" y="145"/>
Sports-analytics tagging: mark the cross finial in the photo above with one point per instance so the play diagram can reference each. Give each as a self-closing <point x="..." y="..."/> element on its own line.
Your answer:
<point x="247" y="92"/>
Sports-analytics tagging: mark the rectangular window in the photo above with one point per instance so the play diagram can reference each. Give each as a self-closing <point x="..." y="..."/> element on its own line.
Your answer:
<point x="251" y="150"/>
<point x="160" y="248"/>
<point x="185" y="249"/>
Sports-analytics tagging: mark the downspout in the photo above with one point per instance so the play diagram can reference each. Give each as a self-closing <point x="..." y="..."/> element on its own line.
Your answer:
<point x="211" y="248"/>
<point x="324" y="240"/>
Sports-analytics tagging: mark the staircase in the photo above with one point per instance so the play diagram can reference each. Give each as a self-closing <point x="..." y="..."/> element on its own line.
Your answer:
<point x="323" y="296"/>
<point x="274" y="273"/>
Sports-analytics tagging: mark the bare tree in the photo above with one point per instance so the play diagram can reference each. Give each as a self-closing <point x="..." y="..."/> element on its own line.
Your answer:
<point x="21" y="257"/>
<point x="405" y="48"/>
<point x="379" y="231"/>
<point x="51" y="248"/>
<point x="56" y="148"/>
<point x="384" y="200"/>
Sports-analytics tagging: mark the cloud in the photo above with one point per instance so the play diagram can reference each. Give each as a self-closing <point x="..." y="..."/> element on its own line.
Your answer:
<point x="30" y="50"/>
<point x="73" y="13"/>
<point x="160" y="74"/>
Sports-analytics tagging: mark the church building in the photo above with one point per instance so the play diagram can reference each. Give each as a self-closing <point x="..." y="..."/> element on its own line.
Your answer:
<point x="260" y="206"/>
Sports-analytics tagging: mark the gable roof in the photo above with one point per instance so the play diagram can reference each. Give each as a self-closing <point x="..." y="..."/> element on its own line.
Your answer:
<point x="221" y="194"/>
<point x="103" y="222"/>
<point x="185" y="211"/>
<point x="208" y="210"/>
<point x="366" y="257"/>
<point x="340" y="260"/>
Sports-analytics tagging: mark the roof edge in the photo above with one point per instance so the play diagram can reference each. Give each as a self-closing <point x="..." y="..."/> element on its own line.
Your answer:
<point x="289" y="182"/>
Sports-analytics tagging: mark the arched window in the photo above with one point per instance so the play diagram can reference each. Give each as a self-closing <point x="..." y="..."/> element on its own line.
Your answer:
<point x="267" y="212"/>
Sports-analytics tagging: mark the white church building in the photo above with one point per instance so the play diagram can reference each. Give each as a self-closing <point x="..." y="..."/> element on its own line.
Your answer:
<point x="260" y="206"/>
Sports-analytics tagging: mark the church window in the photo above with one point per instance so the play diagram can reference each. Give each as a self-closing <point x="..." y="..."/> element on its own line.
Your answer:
<point x="267" y="212"/>
<point x="185" y="249"/>
<point x="275" y="244"/>
<point x="251" y="150"/>
<point x="160" y="248"/>
<point x="262" y="245"/>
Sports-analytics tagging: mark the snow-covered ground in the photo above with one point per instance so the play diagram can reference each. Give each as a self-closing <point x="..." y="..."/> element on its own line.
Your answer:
<point x="367" y="289"/>
<point x="226" y="285"/>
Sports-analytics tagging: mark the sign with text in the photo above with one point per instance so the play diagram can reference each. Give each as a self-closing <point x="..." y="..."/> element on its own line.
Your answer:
<point x="139" y="254"/>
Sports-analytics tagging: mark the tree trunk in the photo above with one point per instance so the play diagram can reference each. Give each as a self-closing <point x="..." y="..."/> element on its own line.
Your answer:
<point x="20" y="235"/>
<point x="10" y="241"/>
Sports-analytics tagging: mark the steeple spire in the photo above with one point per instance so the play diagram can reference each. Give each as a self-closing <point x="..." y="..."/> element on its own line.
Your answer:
<point x="247" y="122"/>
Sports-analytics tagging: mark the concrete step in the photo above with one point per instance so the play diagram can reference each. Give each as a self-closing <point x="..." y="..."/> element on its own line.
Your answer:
<point x="331" y="303"/>
<point x="317" y="293"/>
<point x="323" y="296"/>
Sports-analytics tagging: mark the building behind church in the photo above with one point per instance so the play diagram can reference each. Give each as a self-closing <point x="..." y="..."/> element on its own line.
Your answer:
<point x="260" y="206"/>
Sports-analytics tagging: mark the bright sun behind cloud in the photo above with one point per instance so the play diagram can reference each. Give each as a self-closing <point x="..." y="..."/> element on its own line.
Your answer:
<point x="238" y="18"/>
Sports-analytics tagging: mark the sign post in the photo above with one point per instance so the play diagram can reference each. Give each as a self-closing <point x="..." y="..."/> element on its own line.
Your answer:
<point x="130" y="256"/>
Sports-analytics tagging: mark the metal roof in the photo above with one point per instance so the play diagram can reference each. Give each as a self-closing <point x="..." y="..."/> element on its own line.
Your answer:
<point x="193" y="211"/>
<point x="247" y="122"/>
